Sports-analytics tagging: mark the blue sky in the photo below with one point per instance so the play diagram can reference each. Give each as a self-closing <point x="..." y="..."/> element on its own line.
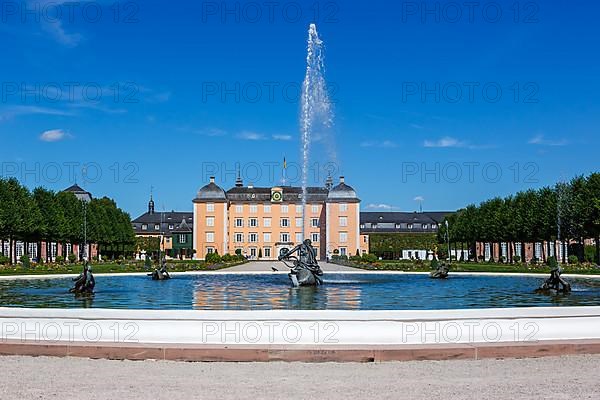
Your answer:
<point x="431" y="106"/>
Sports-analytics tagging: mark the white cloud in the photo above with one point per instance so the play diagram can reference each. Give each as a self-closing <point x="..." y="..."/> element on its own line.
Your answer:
<point x="247" y="135"/>
<point x="282" y="137"/>
<point x="444" y="142"/>
<point x="16" y="111"/>
<point x="53" y="135"/>
<point x="540" y="140"/>
<point x="382" y="144"/>
<point x="379" y="207"/>
<point x="417" y="126"/>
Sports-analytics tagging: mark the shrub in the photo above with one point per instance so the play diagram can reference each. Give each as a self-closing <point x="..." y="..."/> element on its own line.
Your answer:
<point x="25" y="261"/>
<point x="517" y="259"/>
<point x="502" y="259"/>
<point x="4" y="260"/>
<point x="60" y="259"/>
<point x="227" y="258"/>
<point x="573" y="259"/>
<point x="590" y="253"/>
<point x="238" y="252"/>
<point x="147" y="262"/>
<point x="434" y="264"/>
<point x="41" y="261"/>
<point x="72" y="258"/>
<point x="369" y="258"/>
<point x="552" y="263"/>
<point x="259" y="253"/>
<point x="212" y="258"/>
<point x="355" y="258"/>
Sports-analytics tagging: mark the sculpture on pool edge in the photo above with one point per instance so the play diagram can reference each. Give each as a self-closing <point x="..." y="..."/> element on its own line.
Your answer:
<point x="160" y="274"/>
<point x="440" y="271"/>
<point x="85" y="282"/>
<point x="305" y="271"/>
<point x="555" y="284"/>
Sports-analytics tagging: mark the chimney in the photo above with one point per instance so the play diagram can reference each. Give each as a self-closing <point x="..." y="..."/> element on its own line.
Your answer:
<point x="212" y="179"/>
<point x="329" y="182"/>
<point x="342" y="179"/>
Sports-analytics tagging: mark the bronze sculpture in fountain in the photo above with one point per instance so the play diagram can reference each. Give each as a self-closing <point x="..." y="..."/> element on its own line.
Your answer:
<point x="555" y="284"/>
<point x="160" y="274"/>
<point x="305" y="270"/>
<point x="85" y="282"/>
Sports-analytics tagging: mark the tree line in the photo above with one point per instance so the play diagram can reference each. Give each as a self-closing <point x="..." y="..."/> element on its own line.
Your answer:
<point x="568" y="211"/>
<point x="43" y="216"/>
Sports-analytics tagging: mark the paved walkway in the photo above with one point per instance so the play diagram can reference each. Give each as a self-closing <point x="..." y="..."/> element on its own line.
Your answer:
<point x="571" y="378"/>
<point x="265" y="266"/>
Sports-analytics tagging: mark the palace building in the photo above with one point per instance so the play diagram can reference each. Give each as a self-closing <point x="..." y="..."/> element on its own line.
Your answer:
<point x="259" y="222"/>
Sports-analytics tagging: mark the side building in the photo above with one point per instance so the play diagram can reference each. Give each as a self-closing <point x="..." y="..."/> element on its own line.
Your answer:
<point x="173" y="231"/>
<point x="260" y="222"/>
<point x="404" y="235"/>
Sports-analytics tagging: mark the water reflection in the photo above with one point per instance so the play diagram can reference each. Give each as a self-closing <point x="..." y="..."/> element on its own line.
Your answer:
<point x="272" y="292"/>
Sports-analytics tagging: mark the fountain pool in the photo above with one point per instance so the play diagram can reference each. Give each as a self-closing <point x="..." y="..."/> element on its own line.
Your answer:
<point x="354" y="291"/>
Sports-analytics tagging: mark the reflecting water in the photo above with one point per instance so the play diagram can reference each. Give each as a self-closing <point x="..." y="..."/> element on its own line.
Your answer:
<point x="266" y="292"/>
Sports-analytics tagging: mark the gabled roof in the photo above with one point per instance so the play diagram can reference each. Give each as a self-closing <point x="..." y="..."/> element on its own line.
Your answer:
<point x="390" y="222"/>
<point x="183" y="227"/>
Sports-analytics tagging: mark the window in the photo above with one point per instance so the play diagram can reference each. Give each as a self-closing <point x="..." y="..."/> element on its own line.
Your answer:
<point x="285" y="222"/>
<point x="253" y="208"/>
<point x="182" y="239"/>
<point x="314" y="222"/>
<point x="343" y="221"/>
<point x="210" y="237"/>
<point x="267" y="208"/>
<point x="314" y="208"/>
<point x="284" y="209"/>
<point x="298" y="209"/>
<point x="266" y="222"/>
<point x="171" y="227"/>
<point x="299" y="237"/>
<point x="343" y="237"/>
<point x="253" y="252"/>
<point x="343" y="251"/>
<point x="253" y="238"/>
<point x="210" y="207"/>
<point x="210" y="221"/>
<point x="239" y="222"/>
<point x="343" y="207"/>
<point x="410" y="226"/>
<point x="210" y="250"/>
<point x="239" y="208"/>
<point x="267" y="252"/>
<point x="314" y="237"/>
<point x="144" y="227"/>
<point x="239" y="237"/>
<point x="157" y="227"/>
<point x="285" y="237"/>
<point x="424" y="226"/>
<point x="267" y="237"/>
<point x="253" y="222"/>
<point x="298" y="222"/>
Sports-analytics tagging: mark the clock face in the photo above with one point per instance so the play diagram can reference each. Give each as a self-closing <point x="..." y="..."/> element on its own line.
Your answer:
<point x="276" y="197"/>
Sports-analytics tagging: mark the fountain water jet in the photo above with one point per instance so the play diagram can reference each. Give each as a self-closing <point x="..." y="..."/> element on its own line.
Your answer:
<point x="316" y="110"/>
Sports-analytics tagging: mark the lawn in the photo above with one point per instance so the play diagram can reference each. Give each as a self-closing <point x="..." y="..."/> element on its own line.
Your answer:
<point x="113" y="267"/>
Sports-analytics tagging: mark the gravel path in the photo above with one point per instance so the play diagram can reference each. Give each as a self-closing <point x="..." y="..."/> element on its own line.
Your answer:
<point x="26" y="378"/>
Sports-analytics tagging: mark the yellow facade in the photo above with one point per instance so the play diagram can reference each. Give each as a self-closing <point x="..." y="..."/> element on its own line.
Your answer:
<point x="260" y="222"/>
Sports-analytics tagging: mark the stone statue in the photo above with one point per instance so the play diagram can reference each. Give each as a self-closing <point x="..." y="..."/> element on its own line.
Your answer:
<point x="555" y="283"/>
<point x="306" y="271"/>
<point x="441" y="272"/>
<point x="85" y="282"/>
<point x="160" y="274"/>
